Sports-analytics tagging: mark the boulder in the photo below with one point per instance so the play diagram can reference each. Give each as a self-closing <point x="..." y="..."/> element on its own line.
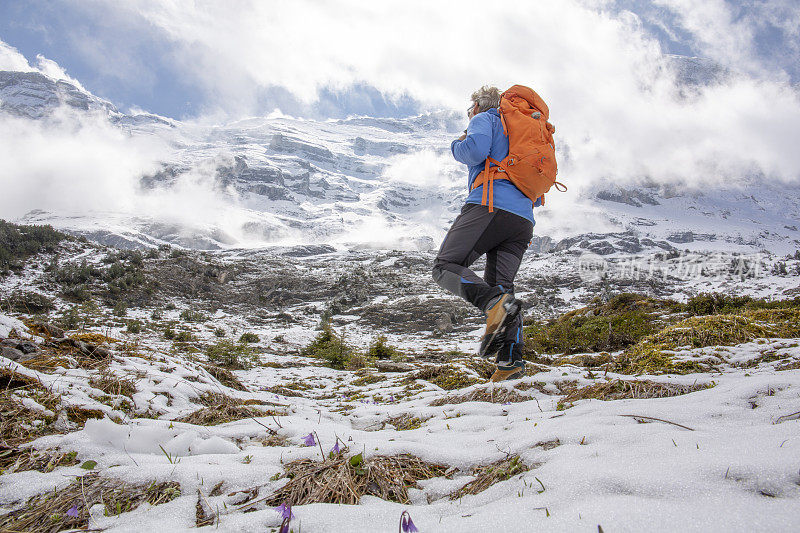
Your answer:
<point x="393" y="366"/>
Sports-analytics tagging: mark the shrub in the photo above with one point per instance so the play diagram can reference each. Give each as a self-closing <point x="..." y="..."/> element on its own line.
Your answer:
<point x="248" y="338"/>
<point x="28" y="302"/>
<point x="190" y="315"/>
<point x="134" y="326"/>
<point x="120" y="309"/>
<point x="184" y="336"/>
<point x="232" y="355"/>
<point x="219" y="332"/>
<point x="381" y="350"/>
<point x="331" y="347"/>
<point x="169" y="334"/>
<point x="17" y="243"/>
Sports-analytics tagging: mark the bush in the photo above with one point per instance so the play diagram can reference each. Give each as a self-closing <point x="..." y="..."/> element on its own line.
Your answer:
<point x="28" y="302"/>
<point x="219" y="332"/>
<point x="190" y="315"/>
<point x="20" y="242"/>
<point x="76" y="294"/>
<point x="120" y="309"/>
<point x="331" y="347"/>
<point x="134" y="326"/>
<point x="381" y="350"/>
<point x="169" y="334"/>
<point x="184" y="336"/>
<point x="232" y="355"/>
<point x="249" y="337"/>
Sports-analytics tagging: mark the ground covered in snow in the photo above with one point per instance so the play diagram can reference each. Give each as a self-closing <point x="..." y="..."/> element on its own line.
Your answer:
<point x="682" y="452"/>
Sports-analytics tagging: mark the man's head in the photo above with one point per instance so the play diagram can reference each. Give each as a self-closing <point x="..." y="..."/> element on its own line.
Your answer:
<point x="484" y="99"/>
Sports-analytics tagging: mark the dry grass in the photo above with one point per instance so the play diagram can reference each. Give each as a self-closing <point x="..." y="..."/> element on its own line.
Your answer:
<point x="220" y="409"/>
<point x="225" y="376"/>
<point x="488" y="475"/>
<point x="112" y="384"/>
<point x="98" y="339"/>
<point x="337" y="480"/>
<point x="487" y="394"/>
<point x="47" y="513"/>
<point x="448" y="377"/>
<point x="23" y="459"/>
<point x="619" y="389"/>
<point x="407" y="421"/>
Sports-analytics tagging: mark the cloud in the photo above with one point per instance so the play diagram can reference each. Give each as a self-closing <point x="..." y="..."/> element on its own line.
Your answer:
<point x="613" y="94"/>
<point x="11" y="59"/>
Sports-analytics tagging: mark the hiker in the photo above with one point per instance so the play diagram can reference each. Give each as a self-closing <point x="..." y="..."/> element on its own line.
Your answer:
<point x="497" y="222"/>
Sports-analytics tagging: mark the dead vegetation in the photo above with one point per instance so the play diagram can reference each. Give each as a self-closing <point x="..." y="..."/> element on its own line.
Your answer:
<point x="20" y="423"/>
<point x="345" y="480"/>
<point x="23" y="459"/>
<point x="225" y="376"/>
<point x="113" y="384"/>
<point x="447" y="377"/>
<point x="68" y="508"/>
<point x="220" y="409"/>
<point x="485" y="394"/>
<point x="620" y="389"/>
<point x="488" y="475"/>
<point x="407" y="421"/>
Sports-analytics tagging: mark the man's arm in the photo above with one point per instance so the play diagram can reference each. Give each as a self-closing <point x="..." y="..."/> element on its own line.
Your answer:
<point x="475" y="147"/>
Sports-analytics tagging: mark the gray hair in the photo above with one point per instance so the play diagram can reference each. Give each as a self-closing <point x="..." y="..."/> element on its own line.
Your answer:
<point x="486" y="97"/>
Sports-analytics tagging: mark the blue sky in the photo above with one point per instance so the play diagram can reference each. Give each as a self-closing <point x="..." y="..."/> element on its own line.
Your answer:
<point x="199" y="58"/>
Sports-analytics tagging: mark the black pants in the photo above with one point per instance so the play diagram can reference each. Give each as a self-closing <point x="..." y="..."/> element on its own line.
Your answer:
<point x="503" y="237"/>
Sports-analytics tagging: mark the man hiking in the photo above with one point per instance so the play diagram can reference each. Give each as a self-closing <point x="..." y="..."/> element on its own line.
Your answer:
<point x="497" y="222"/>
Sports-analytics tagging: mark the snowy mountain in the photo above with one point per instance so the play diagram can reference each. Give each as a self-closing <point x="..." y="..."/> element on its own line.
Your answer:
<point x="381" y="183"/>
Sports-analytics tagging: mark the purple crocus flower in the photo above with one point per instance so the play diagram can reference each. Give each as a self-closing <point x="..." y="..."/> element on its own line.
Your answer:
<point x="336" y="448"/>
<point x="391" y="397"/>
<point x="284" y="526"/>
<point x="308" y="440"/>
<point x="285" y="511"/>
<point x="406" y="524"/>
<point x="72" y="512"/>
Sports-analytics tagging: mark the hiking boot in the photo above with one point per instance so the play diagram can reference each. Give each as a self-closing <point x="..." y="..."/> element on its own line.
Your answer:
<point x="509" y="370"/>
<point x="498" y="316"/>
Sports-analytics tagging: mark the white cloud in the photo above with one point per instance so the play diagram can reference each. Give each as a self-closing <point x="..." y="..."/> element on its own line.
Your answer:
<point x="11" y="59"/>
<point x="50" y="68"/>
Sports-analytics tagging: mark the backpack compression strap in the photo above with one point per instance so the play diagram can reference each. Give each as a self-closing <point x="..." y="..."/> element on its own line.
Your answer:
<point x="486" y="178"/>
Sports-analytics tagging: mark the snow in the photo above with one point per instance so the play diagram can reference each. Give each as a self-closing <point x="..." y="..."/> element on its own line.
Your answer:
<point x="734" y="469"/>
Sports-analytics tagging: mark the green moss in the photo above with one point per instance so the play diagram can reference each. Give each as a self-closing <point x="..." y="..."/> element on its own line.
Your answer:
<point x="369" y="379"/>
<point x="248" y="338"/>
<point x="620" y="323"/>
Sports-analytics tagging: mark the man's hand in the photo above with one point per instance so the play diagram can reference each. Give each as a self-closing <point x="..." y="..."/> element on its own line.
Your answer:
<point x="464" y="136"/>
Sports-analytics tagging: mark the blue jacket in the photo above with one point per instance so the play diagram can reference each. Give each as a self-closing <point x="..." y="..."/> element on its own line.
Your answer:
<point x="485" y="137"/>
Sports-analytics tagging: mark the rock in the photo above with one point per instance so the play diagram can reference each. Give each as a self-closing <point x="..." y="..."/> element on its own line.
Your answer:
<point x="444" y="323"/>
<point x="393" y="366"/>
<point x="27" y="347"/>
<point x="14" y="354"/>
<point x="51" y="330"/>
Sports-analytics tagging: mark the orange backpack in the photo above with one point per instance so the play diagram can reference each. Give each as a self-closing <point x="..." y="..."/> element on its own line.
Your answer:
<point x="531" y="162"/>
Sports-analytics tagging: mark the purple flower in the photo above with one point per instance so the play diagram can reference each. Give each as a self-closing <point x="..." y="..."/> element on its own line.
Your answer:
<point x="285" y="511"/>
<point x="406" y="524"/>
<point x="308" y="440"/>
<point x="391" y="397"/>
<point x="72" y="512"/>
<point x="336" y="448"/>
<point x="284" y="526"/>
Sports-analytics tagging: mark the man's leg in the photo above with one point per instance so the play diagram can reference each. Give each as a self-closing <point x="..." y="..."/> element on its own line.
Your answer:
<point x="509" y="256"/>
<point x="471" y="235"/>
